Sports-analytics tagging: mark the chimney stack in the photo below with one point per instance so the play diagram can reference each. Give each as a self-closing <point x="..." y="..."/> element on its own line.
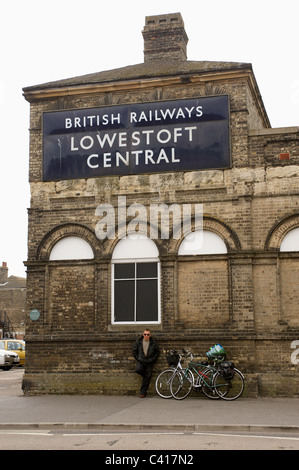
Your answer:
<point x="3" y="273"/>
<point x="165" y="38"/>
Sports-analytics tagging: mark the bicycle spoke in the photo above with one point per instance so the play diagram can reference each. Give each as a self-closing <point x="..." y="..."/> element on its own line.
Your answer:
<point x="229" y="389"/>
<point x="181" y="384"/>
<point x="162" y="384"/>
<point x="207" y="384"/>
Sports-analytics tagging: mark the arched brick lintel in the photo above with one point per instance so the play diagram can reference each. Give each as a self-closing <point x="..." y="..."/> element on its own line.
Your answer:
<point x="221" y="229"/>
<point x="279" y="231"/>
<point x="63" y="231"/>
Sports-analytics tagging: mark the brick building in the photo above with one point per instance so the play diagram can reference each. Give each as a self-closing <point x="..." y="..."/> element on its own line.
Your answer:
<point x="12" y="304"/>
<point x="106" y="146"/>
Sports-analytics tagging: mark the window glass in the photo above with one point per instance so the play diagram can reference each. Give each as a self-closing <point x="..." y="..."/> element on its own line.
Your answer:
<point x="124" y="294"/>
<point x="146" y="300"/>
<point x="146" y="270"/>
<point x="124" y="271"/>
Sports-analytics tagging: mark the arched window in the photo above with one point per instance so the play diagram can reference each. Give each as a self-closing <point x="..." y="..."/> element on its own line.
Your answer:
<point x="71" y="248"/>
<point x="202" y="242"/>
<point x="135" y="281"/>
<point x="291" y="241"/>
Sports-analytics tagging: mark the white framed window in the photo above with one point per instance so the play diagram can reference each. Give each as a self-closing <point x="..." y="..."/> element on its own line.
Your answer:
<point x="135" y="278"/>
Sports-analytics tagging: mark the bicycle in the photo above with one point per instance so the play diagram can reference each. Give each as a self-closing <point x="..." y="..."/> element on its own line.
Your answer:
<point x="163" y="380"/>
<point x="198" y="376"/>
<point x="218" y="380"/>
<point x="228" y="381"/>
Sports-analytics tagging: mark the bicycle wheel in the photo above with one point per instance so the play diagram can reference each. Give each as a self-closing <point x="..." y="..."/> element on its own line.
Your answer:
<point x="207" y="384"/>
<point x="181" y="384"/>
<point x="162" y="384"/>
<point x="229" y="389"/>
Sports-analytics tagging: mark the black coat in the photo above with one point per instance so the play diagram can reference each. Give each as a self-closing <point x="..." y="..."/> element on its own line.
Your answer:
<point x="152" y="353"/>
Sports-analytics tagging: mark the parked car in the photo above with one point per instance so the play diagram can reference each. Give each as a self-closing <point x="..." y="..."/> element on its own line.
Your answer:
<point x="8" y="359"/>
<point x="14" y="345"/>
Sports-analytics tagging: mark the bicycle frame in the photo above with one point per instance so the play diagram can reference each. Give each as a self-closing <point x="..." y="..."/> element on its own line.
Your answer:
<point x="199" y="374"/>
<point x="208" y="378"/>
<point x="199" y="379"/>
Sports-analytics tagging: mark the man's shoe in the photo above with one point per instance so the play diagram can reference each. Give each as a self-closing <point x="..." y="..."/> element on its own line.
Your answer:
<point x="142" y="396"/>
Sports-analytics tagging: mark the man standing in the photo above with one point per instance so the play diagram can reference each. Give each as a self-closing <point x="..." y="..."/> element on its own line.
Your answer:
<point x="146" y="352"/>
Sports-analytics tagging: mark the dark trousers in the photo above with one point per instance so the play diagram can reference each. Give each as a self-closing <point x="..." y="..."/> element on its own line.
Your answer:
<point x="145" y="370"/>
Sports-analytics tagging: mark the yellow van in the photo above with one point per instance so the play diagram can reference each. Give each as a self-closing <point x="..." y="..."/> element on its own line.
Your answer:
<point x="15" y="345"/>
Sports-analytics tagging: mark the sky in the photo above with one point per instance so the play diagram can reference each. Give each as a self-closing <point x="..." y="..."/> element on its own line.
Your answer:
<point x="46" y="41"/>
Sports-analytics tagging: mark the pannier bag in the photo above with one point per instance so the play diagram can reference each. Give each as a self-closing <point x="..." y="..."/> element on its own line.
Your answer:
<point x="227" y="369"/>
<point x="216" y="352"/>
<point x="173" y="358"/>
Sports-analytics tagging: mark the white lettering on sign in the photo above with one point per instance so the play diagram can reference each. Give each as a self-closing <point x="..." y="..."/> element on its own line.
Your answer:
<point x="136" y="138"/>
<point x="91" y="121"/>
<point x="160" y="114"/>
<point x="135" y="117"/>
<point x="146" y="157"/>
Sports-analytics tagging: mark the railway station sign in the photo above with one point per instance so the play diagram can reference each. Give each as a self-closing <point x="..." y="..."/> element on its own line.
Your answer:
<point x="180" y="135"/>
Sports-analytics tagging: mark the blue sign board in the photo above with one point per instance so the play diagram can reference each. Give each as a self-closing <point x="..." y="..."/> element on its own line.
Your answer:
<point x="180" y="135"/>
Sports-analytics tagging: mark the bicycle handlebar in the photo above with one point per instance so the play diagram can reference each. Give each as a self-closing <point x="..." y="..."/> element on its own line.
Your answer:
<point x="186" y="353"/>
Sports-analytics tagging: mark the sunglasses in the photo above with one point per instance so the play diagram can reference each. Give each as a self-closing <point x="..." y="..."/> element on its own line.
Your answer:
<point x="146" y="334"/>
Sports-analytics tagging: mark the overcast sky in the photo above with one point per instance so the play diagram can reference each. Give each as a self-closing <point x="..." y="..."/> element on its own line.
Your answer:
<point x="46" y="41"/>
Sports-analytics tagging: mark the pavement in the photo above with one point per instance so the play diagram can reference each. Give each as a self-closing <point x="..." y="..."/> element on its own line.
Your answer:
<point x="102" y="413"/>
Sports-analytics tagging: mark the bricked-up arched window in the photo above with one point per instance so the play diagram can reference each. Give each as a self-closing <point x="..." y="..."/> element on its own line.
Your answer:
<point x="203" y="281"/>
<point x="135" y="281"/>
<point x="71" y="248"/>
<point x="288" y="277"/>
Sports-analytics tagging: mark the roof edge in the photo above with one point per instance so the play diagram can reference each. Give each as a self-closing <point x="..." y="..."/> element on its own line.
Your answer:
<point x="142" y="71"/>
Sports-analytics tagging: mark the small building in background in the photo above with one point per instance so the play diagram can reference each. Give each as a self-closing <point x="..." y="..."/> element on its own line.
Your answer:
<point x="12" y="304"/>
